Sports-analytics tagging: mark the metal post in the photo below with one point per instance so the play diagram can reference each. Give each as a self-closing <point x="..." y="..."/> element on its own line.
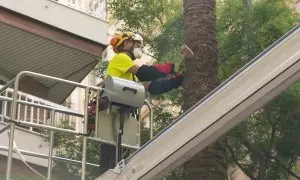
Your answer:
<point x="31" y="114"/>
<point x="12" y="126"/>
<point x="139" y="125"/>
<point x="151" y="117"/>
<point x="7" y="85"/>
<point x="50" y="157"/>
<point x="25" y="109"/>
<point x="45" y="116"/>
<point x="4" y="107"/>
<point x="44" y="156"/>
<point x="2" y="110"/>
<point x="38" y="114"/>
<point x="4" y="129"/>
<point x="151" y="122"/>
<point x="122" y="112"/>
<point x="97" y="113"/>
<point x="19" y="107"/>
<point x="84" y="139"/>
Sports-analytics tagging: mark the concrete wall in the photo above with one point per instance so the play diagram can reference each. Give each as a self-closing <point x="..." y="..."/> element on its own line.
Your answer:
<point x="26" y="141"/>
<point x="20" y="170"/>
<point x="297" y="6"/>
<point x="77" y="101"/>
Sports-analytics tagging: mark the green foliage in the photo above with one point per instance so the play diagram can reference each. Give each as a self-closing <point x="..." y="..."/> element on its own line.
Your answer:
<point x="161" y="25"/>
<point x="271" y="132"/>
<point x="70" y="146"/>
<point x="100" y="69"/>
<point x="20" y="177"/>
<point x="145" y="17"/>
<point x="166" y="47"/>
<point x="162" y="118"/>
<point x="168" y="42"/>
<point x="245" y="31"/>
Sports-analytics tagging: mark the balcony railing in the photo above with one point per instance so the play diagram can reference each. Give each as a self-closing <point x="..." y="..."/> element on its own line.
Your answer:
<point x="34" y="114"/>
<point x="96" y="8"/>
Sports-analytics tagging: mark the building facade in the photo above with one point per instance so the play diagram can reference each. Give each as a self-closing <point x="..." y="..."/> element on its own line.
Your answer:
<point x="63" y="39"/>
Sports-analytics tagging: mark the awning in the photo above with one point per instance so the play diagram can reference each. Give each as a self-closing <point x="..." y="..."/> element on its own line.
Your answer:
<point x="27" y="45"/>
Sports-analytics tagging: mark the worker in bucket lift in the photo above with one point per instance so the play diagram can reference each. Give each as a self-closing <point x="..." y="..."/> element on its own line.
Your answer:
<point x="157" y="78"/>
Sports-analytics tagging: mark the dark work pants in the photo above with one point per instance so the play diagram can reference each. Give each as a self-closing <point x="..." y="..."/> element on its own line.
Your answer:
<point x="107" y="159"/>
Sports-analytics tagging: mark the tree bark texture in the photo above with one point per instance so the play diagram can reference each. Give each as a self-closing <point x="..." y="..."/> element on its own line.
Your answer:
<point x="201" y="70"/>
<point x="201" y="77"/>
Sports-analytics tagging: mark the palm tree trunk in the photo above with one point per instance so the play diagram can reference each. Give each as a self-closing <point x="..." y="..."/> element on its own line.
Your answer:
<point x="209" y="164"/>
<point x="201" y="70"/>
<point x="200" y="77"/>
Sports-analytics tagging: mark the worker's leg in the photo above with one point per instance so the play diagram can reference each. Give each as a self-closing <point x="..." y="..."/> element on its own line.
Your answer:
<point x="164" y="85"/>
<point x="107" y="157"/>
<point x="156" y="71"/>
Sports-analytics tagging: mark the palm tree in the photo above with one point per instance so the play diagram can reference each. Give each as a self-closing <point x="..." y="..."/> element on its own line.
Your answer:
<point x="200" y="77"/>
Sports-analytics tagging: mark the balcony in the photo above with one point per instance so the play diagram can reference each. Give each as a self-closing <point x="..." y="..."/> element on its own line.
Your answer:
<point x="96" y="8"/>
<point x="34" y="141"/>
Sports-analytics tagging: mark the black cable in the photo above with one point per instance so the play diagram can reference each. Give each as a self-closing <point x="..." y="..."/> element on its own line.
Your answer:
<point x="121" y="129"/>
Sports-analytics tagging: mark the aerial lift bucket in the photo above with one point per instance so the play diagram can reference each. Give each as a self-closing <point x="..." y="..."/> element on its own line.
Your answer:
<point x="119" y="123"/>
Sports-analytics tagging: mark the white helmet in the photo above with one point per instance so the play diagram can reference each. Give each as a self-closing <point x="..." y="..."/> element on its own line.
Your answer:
<point x="138" y="52"/>
<point x="118" y="39"/>
<point x="138" y="38"/>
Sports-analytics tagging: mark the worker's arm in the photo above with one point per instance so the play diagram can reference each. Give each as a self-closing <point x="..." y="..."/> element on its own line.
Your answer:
<point x="150" y="73"/>
<point x="124" y="63"/>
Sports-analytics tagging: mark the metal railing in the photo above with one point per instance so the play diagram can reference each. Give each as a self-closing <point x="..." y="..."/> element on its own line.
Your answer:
<point x="33" y="114"/>
<point x="14" y="120"/>
<point x="96" y="8"/>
